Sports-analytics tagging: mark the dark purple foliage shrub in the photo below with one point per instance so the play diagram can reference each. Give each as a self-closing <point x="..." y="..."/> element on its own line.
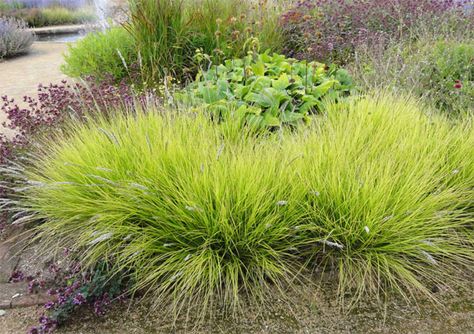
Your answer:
<point x="330" y="30"/>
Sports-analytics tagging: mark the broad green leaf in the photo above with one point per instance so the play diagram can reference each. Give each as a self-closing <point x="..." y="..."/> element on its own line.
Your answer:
<point x="323" y="88"/>
<point x="270" y="120"/>
<point x="261" y="99"/>
<point x="241" y="91"/>
<point x="290" y="117"/>
<point x="282" y="82"/>
<point x="258" y="68"/>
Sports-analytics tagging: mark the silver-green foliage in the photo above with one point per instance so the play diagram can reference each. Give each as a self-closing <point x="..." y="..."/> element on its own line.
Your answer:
<point x="14" y="38"/>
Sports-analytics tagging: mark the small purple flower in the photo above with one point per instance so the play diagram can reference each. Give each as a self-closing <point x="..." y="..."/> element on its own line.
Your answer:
<point x="79" y="299"/>
<point x="49" y="305"/>
<point x="17" y="276"/>
<point x="33" y="330"/>
<point x="62" y="300"/>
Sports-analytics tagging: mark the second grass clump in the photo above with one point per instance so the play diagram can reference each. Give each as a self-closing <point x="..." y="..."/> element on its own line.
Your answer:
<point x="376" y="192"/>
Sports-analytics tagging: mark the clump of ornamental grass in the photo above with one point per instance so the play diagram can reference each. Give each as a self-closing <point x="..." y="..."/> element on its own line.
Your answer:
<point x="198" y="220"/>
<point x="374" y="188"/>
<point x="168" y="33"/>
<point x="102" y="54"/>
<point x="390" y="190"/>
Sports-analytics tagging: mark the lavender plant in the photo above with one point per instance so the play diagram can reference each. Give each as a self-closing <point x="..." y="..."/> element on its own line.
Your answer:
<point x="14" y="38"/>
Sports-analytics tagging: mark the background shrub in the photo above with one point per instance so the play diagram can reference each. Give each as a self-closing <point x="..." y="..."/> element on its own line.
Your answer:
<point x="438" y="70"/>
<point x="377" y="190"/>
<point x="46" y="3"/>
<point x="101" y="55"/>
<point x="267" y="90"/>
<point x="41" y="17"/>
<point x="168" y="33"/>
<point x="330" y="30"/>
<point x="14" y="38"/>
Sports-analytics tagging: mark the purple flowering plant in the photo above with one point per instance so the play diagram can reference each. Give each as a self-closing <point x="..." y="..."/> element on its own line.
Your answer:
<point x="94" y="288"/>
<point x="330" y="30"/>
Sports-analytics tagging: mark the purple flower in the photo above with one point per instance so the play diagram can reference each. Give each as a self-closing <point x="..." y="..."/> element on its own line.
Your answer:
<point x="33" y="330"/>
<point x="49" y="305"/>
<point x="17" y="275"/>
<point x="79" y="299"/>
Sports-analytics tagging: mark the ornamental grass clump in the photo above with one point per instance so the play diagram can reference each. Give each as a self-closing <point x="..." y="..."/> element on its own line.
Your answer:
<point x="168" y="33"/>
<point x="389" y="191"/>
<point x="375" y="191"/>
<point x="198" y="219"/>
<point x="14" y="38"/>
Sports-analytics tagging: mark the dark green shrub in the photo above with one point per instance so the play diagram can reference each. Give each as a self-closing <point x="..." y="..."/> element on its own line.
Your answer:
<point x="448" y="76"/>
<point x="268" y="90"/>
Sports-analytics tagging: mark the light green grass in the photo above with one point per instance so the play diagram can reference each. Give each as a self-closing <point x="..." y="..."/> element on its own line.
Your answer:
<point x="101" y="54"/>
<point x="393" y="188"/>
<point x="375" y="188"/>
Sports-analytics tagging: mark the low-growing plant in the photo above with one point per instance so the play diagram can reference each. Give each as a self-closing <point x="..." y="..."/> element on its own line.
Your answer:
<point x="377" y="190"/>
<point x="55" y="105"/>
<point x="14" y="38"/>
<point x="267" y="90"/>
<point x="75" y="288"/>
<point x="101" y="55"/>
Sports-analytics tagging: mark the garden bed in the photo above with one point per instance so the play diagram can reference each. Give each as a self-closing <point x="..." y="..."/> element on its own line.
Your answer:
<point x="251" y="167"/>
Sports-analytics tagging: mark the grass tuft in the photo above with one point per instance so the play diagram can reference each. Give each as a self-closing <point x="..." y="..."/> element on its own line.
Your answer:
<point x="375" y="190"/>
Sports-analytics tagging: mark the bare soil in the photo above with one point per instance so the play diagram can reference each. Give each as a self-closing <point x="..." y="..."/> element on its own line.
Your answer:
<point x="310" y="312"/>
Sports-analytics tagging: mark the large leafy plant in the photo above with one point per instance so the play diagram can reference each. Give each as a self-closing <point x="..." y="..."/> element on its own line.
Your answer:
<point x="267" y="90"/>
